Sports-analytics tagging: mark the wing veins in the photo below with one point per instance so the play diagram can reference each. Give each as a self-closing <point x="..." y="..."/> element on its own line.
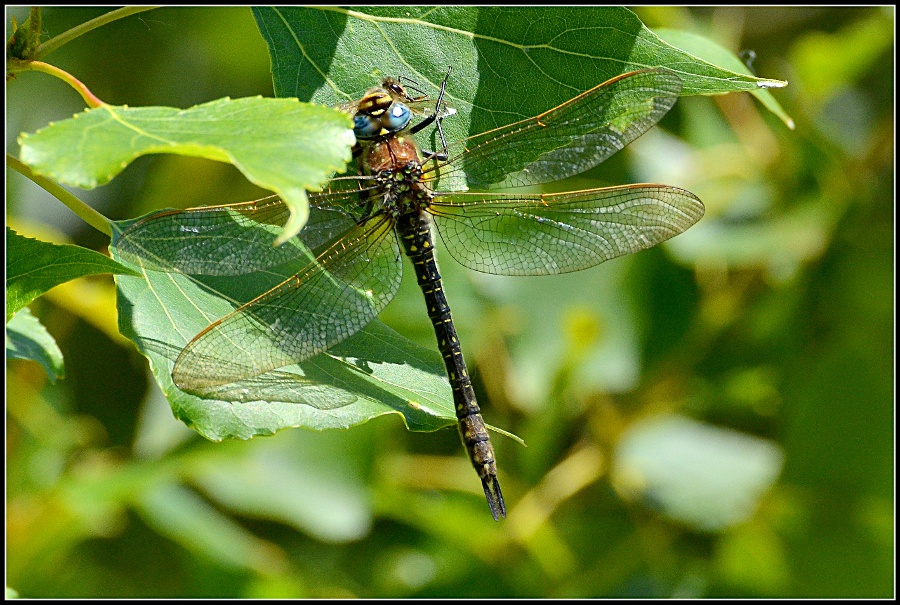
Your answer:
<point x="280" y="327"/>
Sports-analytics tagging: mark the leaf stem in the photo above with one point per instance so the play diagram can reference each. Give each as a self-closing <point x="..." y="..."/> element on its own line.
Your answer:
<point x="90" y="98"/>
<point x="87" y="214"/>
<point x="53" y="43"/>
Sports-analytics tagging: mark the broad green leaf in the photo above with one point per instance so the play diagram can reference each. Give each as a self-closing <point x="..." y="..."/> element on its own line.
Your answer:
<point x="702" y="475"/>
<point x="374" y="372"/>
<point x="186" y="518"/>
<point x="279" y="144"/>
<point x="712" y="52"/>
<point x="508" y="63"/>
<point x="829" y="63"/>
<point x="27" y="338"/>
<point x="288" y="479"/>
<point x="33" y="267"/>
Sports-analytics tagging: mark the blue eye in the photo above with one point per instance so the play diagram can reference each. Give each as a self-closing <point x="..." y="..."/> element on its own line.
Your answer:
<point x="386" y="121"/>
<point x="397" y="117"/>
<point x="365" y="126"/>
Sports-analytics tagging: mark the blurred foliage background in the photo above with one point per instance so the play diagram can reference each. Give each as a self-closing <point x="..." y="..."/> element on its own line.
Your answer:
<point x="713" y="417"/>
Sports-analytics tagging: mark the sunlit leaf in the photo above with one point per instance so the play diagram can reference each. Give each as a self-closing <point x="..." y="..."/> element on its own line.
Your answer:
<point x="374" y="372"/>
<point x="27" y="338"/>
<point x="33" y="267"/>
<point x="704" y="476"/>
<point x="308" y="481"/>
<point x="188" y="519"/>
<point x="710" y="51"/>
<point x="508" y="63"/>
<point x="279" y="144"/>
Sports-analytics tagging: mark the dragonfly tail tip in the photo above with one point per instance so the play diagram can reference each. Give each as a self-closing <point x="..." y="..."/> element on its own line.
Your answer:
<point x="494" y="497"/>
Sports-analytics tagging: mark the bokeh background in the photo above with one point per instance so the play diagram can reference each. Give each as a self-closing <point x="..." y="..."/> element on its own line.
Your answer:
<point x="713" y="417"/>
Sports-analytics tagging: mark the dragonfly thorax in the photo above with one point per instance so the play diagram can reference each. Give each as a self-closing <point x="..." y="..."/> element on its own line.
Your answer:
<point x="397" y="154"/>
<point x="397" y="168"/>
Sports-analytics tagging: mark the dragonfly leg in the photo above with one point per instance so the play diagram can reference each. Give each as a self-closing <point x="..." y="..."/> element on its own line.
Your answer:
<point x="440" y="156"/>
<point x="424" y="123"/>
<point x="436" y="117"/>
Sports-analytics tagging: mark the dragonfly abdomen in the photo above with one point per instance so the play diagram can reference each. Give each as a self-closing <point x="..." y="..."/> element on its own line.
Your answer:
<point x="415" y="234"/>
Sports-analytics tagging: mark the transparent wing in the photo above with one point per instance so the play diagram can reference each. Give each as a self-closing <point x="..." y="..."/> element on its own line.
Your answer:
<point x="336" y="295"/>
<point x="235" y="239"/>
<point x="565" y="140"/>
<point x="545" y="234"/>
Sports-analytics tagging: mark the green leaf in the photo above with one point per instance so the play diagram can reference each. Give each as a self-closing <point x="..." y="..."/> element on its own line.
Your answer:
<point x="286" y="479"/>
<point x="372" y="373"/>
<point x="27" y="37"/>
<point x="712" y="52"/>
<point x="27" y="338"/>
<point x="186" y="518"/>
<point x="704" y="476"/>
<point x="508" y="63"/>
<point x="279" y="144"/>
<point x="33" y="267"/>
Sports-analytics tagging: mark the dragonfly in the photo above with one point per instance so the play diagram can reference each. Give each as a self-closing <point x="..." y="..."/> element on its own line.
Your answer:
<point x="362" y="224"/>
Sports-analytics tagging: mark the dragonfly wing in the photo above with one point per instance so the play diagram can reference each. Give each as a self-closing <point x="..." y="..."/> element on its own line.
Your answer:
<point x="566" y="140"/>
<point x="545" y="234"/>
<point x="233" y="239"/>
<point x="336" y="295"/>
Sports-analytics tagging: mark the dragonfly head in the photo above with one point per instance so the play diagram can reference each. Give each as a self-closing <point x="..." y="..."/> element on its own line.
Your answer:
<point x="381" y="121"/>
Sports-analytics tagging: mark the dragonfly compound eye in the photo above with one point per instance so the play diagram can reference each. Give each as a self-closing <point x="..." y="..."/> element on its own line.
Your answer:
<point x="396" y="118"/>
<point x="366" y="126"/>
